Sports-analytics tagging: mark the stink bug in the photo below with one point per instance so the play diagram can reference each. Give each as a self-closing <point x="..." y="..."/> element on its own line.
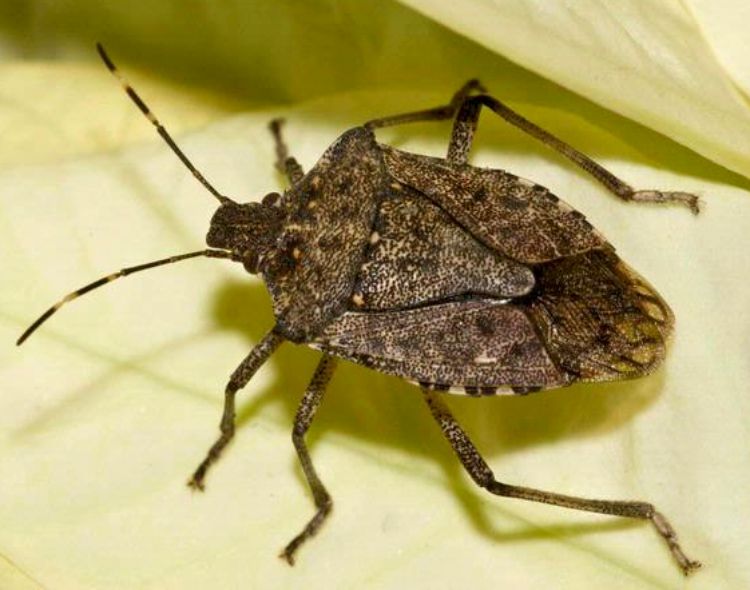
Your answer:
<point x="457" y="278"/>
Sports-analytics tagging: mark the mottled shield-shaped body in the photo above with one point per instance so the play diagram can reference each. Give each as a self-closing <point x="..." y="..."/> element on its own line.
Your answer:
<point x="455" y="277"/>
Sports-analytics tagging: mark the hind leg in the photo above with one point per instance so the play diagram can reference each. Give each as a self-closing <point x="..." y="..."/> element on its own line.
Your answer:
<point x="466" y="124"/>
<point x="482" y="475"/>
<point x="440" y="113"/>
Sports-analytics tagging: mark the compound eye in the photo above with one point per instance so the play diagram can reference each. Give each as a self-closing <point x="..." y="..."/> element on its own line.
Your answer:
<point x="271" y="199"/>
<point x="251" y="262"/>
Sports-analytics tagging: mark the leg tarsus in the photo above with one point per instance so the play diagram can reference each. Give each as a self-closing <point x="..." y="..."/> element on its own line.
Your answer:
<point x="687" y="565"/>
<point x="304" y="417"/>
<point x="241" y="376"/>
<point x="481" y="473"/>
<point x="227" y="433"/>
<point x="653" y="196"/>
<point x="310" y="529"/>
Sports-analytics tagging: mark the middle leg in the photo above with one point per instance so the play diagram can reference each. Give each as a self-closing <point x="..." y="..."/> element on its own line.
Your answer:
<point x="305" y="414"/>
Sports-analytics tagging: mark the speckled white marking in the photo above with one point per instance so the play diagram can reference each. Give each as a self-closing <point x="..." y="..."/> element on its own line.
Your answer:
<point x="483" y="359"/>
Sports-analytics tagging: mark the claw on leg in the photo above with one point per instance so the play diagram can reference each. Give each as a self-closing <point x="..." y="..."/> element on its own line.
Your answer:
<point x="687" y="565"/>
<point x="309" y="530"/>
<point x="196" y="480"/>
<point x="653" y="196"/>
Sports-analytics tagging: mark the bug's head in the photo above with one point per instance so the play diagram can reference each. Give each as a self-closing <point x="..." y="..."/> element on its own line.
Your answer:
<point x="249" y="230"/>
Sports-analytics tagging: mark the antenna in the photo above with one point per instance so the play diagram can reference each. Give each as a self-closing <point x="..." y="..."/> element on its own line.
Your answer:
<point x="159" y="127"/>
<point x="109" y="278"/>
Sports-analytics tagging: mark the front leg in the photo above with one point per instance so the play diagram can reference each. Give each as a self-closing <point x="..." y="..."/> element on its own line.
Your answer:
<point x="237" y="381"/>
<point x="305" y="414"/>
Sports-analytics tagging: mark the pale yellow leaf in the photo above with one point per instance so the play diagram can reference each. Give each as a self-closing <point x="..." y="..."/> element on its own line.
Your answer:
<point x="645" y="60"/>
<point x="724" y="24"/>
<point x="105" y="411"/>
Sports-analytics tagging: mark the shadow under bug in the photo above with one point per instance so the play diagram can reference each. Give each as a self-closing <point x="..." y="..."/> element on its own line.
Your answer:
<point x="457" y="278"/>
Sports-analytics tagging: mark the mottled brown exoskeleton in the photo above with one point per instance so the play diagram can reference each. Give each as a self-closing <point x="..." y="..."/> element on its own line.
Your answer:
<point x="457" y="278"/>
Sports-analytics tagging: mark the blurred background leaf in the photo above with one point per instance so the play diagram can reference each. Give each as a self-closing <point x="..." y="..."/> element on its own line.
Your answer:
<point x="648" y="61"/>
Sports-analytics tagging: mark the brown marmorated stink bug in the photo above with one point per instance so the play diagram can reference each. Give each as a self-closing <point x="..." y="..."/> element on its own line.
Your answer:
<point x="457" y="278"/>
